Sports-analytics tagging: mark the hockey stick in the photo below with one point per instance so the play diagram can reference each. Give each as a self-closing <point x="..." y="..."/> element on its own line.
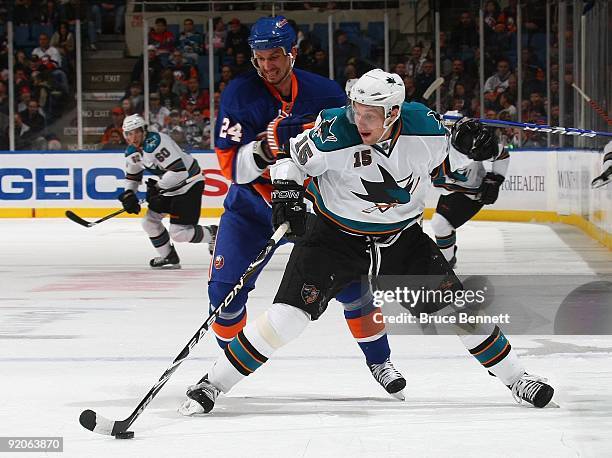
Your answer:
<point x="72" y="216"/>
<point x="101" y="425"/>
<point x="600" y="111"/>
<point x="433" y="87"/>
<point x="543" y="128"/>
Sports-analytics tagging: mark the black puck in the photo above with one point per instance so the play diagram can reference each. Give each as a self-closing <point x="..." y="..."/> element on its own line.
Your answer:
<point x="125" y="435"/>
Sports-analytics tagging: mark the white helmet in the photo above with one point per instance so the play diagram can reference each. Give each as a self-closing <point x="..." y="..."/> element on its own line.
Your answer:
<point x="133" y="122"/>
<point x="379" y="88"/>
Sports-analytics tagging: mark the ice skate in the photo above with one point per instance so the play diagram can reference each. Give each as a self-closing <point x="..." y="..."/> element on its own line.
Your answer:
<point x="171" y="261"/>
<point x="212" y="230"/>
<point x="201" y="396"/>
<point x="531" y="388"/>
<point x="389" y="378"/>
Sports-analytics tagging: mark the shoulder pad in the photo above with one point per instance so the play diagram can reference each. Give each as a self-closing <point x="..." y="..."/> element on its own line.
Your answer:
<point x="417" y="119"/>
<point x="334" y="131"/>
<point x="151" y="142"/>
<point x="131" y="149"/>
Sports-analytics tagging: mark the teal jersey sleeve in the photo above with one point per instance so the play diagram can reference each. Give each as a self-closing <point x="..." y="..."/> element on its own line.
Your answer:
<point x="334" y="131"/>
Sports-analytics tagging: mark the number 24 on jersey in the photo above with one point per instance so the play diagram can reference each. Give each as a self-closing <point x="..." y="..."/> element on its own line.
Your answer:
<point x="233" y="132"/>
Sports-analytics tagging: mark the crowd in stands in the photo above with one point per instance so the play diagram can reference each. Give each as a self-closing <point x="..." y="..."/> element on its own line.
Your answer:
<point x="179" y="95"/>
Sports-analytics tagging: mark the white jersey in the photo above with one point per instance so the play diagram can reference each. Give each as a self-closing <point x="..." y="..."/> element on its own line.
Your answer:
<point x="371" y="190"/>
<point x="163" y="157"/>
<point x="467" y="180"/>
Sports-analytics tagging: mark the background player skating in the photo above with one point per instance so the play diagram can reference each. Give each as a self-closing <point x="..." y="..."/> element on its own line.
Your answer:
<point x="465" y="191"/>
<point x="259" y="111"/>
<point x="159" y="154"/>
<point x="370" y="163"/>
<point x="606" y="176"/>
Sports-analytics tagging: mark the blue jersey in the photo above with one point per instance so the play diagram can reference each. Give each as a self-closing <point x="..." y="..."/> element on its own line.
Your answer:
<point x="249" y="104"/>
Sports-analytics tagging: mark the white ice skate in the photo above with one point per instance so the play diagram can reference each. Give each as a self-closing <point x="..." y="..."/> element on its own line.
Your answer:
<point x="200" y="398"/>
<point x="389" y="378"/>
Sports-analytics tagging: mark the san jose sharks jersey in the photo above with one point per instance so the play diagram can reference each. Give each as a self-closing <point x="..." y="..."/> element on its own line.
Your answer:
<point x="163" y="157"/>
<point x="249" y="104"/>
<point x="467" y="180"/>
<point x="371" y="190"/>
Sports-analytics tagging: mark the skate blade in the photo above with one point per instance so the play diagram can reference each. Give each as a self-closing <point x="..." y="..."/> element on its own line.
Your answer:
<point x="399" y="395"/>
<point x="190" y="408"/>
<point x="552" y="405"/>
<point x="167" y="267"/>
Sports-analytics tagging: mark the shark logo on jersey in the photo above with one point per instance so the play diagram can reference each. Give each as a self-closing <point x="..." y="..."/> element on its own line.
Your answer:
<point x="387" y="194"/>
<point x="437" y="117"/>
<point x="151" y="143"/>
<point x="324" y="130"/>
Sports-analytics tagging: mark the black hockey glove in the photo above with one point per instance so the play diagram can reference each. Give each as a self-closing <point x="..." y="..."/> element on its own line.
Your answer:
<point x="470" y="137"/>
<point x="153" y="195"/>
<point x="288" y="206"/>
<point x="489" y="188"/>
<point x="262" y="153"/>
<point x="129" y="200"/>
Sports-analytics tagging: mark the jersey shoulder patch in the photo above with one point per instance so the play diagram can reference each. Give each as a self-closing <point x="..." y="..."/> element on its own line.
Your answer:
<point x="417" y="119"/>
<point x="151" y="142"/>
<point x="334" y="131"/>
<point x="131" y="149"/>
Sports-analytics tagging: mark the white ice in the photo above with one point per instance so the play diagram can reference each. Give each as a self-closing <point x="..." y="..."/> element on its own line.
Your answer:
<point x="84" y="323"/>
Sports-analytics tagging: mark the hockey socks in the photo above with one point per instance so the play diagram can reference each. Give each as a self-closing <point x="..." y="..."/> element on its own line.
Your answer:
<point x="368" y="331"/>
<point x="256" y="343"/>
<point x="493" y="350"/>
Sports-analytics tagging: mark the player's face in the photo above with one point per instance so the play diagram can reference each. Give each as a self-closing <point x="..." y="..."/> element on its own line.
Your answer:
<point x="273" y="64"/>
<point x="135" y="137"/>
<point x="369" y="121"/>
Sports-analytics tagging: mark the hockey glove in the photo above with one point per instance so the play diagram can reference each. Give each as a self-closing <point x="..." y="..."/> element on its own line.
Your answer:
<point x="470" y="137"/>
<point x="288" y="206"/>
<point x="602" y="179"/>
<point x="489" y="188"/>
<point x="130" y="203"/>
<point x="153" y="195"/>
<point x="262" y="153"/>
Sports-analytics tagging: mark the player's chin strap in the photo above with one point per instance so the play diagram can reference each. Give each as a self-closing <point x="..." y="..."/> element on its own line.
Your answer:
<point x="387" y="123"/>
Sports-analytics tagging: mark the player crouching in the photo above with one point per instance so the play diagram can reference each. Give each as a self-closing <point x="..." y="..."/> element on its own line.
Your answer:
<point x="177" y="192"/>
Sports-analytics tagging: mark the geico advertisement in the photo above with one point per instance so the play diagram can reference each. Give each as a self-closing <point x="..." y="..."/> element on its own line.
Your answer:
<point x="79" y="179"/>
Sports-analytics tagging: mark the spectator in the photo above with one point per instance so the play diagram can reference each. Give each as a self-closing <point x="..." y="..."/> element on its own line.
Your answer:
<point x="237" y="38"/>
<point x="305" y="57"/>
<point x="33" y="118"/>
<point x="497" y="83"/>
<point x="116" y="140"/>
<point x="136" y="97"/>
<point x="190" y="41"/>
<point x="535" y="81"/>
<point x="221" y="86"/>
<point x="241" y="64"/>
<point x="400" y="69"/>
<point x="465" y="38"/>
<point x="157" y="113"/>
<point x="117" y="116"/>
<point x="178" y="64"/>
<point x="25" y="13"/>
<point x="128" y="108"/>
<point x="63" y="40"/>
<point x="219" y="35"/>
<point x="446" y="60"/>
<point x="415" y="61"/>
<point x="174" y="128"/>
<point x="492" y="17"/>
<point x="424" y="79"/>
<point x="155" y="69"/>
<point x="4" y="97"/>
<point x="537" y="105"/>
<point x="51" y="61"/>
<point x="22" y="62"/>
<point x="162" y="39"/>
<point x="116" y="8"/>
<point x="507" y="103"/>
<point x="200" y="97"/>
<point x="461" y="94"/>
<point x="321" y="64"/>
<point x="168" y="98"/>
<point x="509" y="15"/>
<point x="40" y="89"/>
<point x="226" y="76"/>
<point x="48" y="13"/>
<point x="53" y="143"/>
<point x="457" y="75"/>
<point x="25" y="95"/>
<point x="23" y="134"/>
<point x="343" y="51"/>
<point x="411" y="90"/>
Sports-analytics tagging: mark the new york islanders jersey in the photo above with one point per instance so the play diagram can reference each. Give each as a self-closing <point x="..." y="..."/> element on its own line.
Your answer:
<point x="163" y="157"/>
<point x="371" y="190"/>
<point x="248" y="105"/>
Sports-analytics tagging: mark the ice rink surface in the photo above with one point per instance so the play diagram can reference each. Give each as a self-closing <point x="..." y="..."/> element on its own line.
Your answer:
<point x="84" y="323"/>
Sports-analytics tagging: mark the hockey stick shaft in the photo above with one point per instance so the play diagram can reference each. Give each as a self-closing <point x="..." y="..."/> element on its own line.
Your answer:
<point x="90" y="420"/>
<point x="433" y="87"/>
<point x="77" y="219"/>
<point x="600" y="111"/>
<point x="537" y="127"/>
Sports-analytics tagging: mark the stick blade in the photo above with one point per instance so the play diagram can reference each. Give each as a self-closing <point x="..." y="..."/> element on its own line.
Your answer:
<point x="77" y="219"/>
<point x="96" y="423"/>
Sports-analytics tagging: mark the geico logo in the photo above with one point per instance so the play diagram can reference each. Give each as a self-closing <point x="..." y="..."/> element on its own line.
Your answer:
<point x="99" y="183"/>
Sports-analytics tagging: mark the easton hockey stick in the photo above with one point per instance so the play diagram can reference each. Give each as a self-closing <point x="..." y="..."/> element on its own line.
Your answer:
<point x="101" y="425"/>
<point x="72" y="216"/>
<point x="433" y="87"/>
<point x="543" y="128"/>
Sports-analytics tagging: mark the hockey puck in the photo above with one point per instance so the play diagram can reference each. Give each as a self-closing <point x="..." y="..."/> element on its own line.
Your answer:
<point x="125" y="435"/>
